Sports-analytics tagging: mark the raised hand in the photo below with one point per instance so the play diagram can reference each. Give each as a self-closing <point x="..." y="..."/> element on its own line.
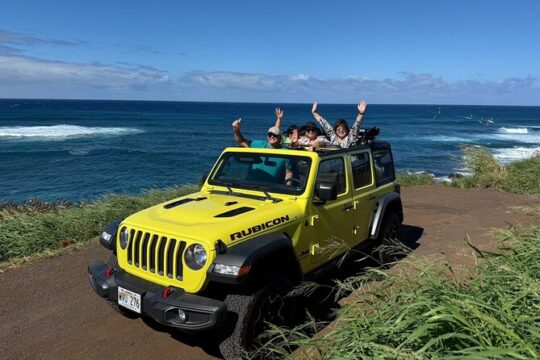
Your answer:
<point x="314" y="108"/>
<point x="279" y="113"/>
<point x="236" y="123"/>
<point x="362" y="107"/>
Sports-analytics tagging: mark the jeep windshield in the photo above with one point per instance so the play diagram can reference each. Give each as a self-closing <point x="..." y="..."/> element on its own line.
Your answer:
<point x="285" y="174"/>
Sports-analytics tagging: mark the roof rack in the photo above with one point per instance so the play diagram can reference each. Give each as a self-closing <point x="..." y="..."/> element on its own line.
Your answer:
<point x="366" y="139"/>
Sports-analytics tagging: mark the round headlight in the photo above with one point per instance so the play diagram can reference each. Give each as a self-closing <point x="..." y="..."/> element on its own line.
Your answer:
<point x="195" y="256"/>
<point x="124" y="238"/>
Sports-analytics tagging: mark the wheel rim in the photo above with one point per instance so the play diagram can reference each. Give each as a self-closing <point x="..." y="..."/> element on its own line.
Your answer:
<point x="270" y="310"/>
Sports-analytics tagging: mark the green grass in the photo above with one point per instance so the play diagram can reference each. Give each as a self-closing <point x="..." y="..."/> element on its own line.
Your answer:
<point x="494" y="313"/>
<point x="520" y="177"/>
<point x="405" y="179"/>
<point x="24" y="233"/>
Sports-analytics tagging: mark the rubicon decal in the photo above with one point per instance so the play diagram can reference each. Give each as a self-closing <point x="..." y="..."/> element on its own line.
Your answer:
<point x="260" y="227"/>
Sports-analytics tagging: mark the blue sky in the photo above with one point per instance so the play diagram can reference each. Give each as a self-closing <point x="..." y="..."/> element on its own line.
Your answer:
<point x="406" y="52"/>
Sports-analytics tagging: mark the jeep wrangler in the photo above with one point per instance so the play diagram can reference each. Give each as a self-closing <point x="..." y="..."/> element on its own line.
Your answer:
<point x="224" y="258"/>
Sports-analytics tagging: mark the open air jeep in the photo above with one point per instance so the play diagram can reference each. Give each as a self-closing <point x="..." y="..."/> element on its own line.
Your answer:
<point x="223" y="258"/>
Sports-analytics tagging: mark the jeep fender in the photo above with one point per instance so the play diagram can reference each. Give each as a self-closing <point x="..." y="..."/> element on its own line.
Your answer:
<point x="389" y="202"/>
<point x="263" y="254"/>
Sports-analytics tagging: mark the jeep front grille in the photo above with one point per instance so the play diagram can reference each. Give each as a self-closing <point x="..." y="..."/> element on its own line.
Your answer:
<point x="156" y="254"/>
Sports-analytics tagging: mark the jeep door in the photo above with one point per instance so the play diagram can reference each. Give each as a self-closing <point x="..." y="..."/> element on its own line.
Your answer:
<point x="364" y="194"/>
<point x="333" y="221"/>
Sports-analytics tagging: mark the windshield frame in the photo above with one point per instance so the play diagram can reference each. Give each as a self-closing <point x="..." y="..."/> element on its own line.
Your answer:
<point x="258" y="186"/>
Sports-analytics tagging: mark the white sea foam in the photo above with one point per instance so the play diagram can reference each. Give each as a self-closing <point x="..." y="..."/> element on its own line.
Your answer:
<point x="520" y="130"/>
<point x="444" y="138"/>
<point x="79" y="152"/>
<point x="61" y="132"/>
<point x="507" y="155"/>
<point x="528" y="138"/>
<point x="442" y="179"/>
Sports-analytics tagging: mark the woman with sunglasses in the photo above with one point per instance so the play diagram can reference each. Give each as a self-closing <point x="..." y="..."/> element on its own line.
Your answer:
<point x="311" y="136"/>
<point x="340" y="134"/>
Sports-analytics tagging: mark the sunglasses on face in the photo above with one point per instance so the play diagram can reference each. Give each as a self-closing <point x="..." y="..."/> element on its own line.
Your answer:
<point x="311" y="130"/>
<point x="272" y="135"/>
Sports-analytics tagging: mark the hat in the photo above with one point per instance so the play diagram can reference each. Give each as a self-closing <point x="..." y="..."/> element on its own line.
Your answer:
<point x="274" y="130"/>
<point x="290" y="129"/>
<point x="310" y="125"/>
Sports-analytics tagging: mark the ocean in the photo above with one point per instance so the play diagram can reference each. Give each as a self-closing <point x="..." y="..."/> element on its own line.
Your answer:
<point x="80" y="150"/>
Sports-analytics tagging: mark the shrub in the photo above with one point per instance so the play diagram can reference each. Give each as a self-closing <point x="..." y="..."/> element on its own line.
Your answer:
<point x="519" y="177"/>
<point x="405" y="179"/>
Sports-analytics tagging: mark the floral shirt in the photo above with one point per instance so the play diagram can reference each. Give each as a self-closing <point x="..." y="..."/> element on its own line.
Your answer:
<point x="352" y="138"/>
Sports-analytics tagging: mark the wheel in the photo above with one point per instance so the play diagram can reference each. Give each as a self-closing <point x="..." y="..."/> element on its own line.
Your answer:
<point x="388" y="245"/>
<point x="250" y="315"/>
<point x="113" y="262"/>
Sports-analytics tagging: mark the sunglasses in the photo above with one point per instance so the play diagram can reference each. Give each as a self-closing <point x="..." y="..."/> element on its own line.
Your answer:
<point x="272" y="135"/>
<point x="311" y="130"/>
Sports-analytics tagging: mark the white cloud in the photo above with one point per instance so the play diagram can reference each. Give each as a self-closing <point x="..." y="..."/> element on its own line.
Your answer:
<point x="300" y="77"/>
<point x="22" y="76"/>
<point x="17" y="38"/>
<point x="405" y="88"/>
<point x="233" y="80"/>
<point x="29" y="71"/>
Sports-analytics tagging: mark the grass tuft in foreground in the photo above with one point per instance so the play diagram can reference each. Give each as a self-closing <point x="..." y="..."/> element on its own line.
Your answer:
<point x="493" y="314"/>
<point x="36" y="229"/>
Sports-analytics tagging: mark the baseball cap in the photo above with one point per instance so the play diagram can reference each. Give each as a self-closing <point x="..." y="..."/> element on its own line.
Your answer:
<point x="274" y="130"/>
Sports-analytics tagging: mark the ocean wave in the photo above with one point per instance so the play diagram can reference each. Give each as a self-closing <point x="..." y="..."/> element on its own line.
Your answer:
<point x="506" y="155"/>
<point x="520" y="130"/>
<point x="61" y="132"/>
<point x="521" y="138"/>
<point x="79" y="152"/>
<point x="445" y="138"/>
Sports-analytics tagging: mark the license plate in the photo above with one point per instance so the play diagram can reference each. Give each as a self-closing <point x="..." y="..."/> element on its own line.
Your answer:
<point x="129" y="299"/>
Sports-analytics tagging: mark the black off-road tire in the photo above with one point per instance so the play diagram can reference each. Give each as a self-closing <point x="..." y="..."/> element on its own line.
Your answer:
<point x="387" y="248"/>
<point x="113" y="262"/>
<point x="246" y="321"/>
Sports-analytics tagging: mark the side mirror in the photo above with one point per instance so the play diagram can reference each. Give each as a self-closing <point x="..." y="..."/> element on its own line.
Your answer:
<point x="325" y="192"/>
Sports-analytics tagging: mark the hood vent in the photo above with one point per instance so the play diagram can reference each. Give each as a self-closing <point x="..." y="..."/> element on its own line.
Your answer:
<point x="181" y="202"/>
<point x="235" y="212"/>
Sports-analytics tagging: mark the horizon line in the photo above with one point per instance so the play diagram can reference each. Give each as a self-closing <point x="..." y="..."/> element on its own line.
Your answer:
<point x="255" y="102"/>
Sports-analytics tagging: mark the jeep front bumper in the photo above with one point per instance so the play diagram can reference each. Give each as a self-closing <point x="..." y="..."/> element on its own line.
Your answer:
<point x="201" y="313"/>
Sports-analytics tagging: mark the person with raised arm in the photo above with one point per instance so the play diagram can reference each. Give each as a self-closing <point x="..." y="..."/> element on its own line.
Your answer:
<point x="340" y="134"/>
<point x="273" y="137"/>
<point x="273" y="141"/>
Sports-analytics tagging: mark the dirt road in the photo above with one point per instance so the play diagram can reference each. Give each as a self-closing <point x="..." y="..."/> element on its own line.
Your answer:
<point x="48" y="310"/>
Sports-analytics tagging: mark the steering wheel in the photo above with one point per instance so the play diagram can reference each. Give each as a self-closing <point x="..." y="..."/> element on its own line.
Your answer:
<point x="293" y="181"/>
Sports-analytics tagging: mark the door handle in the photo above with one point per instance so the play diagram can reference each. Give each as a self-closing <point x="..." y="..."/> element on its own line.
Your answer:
<point x="347" y="208"/>
<point x="371" y="198"/>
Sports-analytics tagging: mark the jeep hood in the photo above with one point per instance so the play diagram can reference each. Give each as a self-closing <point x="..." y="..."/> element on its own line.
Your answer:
<point x="208" y="217"/>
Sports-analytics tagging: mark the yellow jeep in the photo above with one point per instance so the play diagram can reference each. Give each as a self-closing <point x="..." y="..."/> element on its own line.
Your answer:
<point x="262" y="222"/>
